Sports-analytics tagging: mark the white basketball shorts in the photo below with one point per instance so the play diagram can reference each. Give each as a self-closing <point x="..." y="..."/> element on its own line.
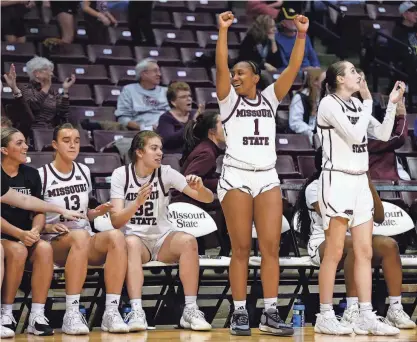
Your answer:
<point x="345" y="195"/>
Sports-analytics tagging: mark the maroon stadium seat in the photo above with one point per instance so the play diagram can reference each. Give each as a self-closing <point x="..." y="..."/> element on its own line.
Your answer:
<point x="192" y="76"/>
<point x="77" y="114"/>
<point x="39" y="32"/>
<point x="207" y="6"/>
<point x="21" y="75"/>
<point x="194" y="21"/>
<point x="292" y="195"/>
<point x="121" y="16"/>
<point x="173" y="160"/>
<point x="121" y="74"/>
<point x="285" y="167"/>
<point x="108" y="54"/>
<point x="106" y="95"/>
<point x="100" y="164"/>
<point x="166" y="56"/>
<point x="384" y="12"/>
<point x="120" y="35"/>
<point x="241" y="22"/>
<point x="297" y="84"/>
<point x="293" y="144"/>
<point x="171" y="6"/>
<point x="86" y="74"/>
<point x="80" y="94"/>
<point x="412" y="167"/>
<point x="81" y="34"/>
<point x="66" y="53"/>
<point x="33" y="16"/>
<point x="189" y="54"/>
<point x="306" y="166"/>
<point x="369" y="27"/>
<point x="42" y="140"/>
<point x="39" y="159"/>
<point x="407" y="149"/>
<point x="17" y="52"/>
<point x="207" y="96"/>
<point x="104" y="138"/>
<point x="178" y="38"/>
<point x="208" y="39"/>
<point x="161" y="19"/>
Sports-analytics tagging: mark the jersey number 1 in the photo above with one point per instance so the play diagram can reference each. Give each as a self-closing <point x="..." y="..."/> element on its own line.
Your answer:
<point x="256" y="127"/>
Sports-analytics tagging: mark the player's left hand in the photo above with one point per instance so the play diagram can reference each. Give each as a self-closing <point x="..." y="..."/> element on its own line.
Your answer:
<point x="194" y="182"/>
<point x="397" y="92"/>
<point x="102" y="209"/>
<point x="301" y="22"/>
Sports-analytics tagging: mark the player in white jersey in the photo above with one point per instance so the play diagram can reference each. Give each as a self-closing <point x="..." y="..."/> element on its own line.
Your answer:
<point x="249" y="186"/>
<point x="385" y="252"/>
<point x="140" y="198"/>
<point x="345" y="198"/>
<point x="68" y="184"/>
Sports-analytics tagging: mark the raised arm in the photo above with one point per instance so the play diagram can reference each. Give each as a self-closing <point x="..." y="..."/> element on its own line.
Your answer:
<point x="222" y="68"/>
<point x="286" y="79"/>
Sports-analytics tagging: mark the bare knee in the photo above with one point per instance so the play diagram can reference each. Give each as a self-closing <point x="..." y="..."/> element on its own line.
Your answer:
<point x="388" y="247"/>
<point x="80" y="240"/>
<point x="363" y="252"/>
<point x="333" y="252"/>
<point x="189" y="244"/>
<point x="43" y="252"/>
<point x="241" y="251"/>
<point x="269" y="250"/>
<point x="17" y="253"/>
<point x="116" y="239"/>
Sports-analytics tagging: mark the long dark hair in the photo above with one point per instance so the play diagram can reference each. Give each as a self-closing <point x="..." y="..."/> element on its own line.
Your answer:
<point x="304" y="221"/>
<point x="196" y="131"/>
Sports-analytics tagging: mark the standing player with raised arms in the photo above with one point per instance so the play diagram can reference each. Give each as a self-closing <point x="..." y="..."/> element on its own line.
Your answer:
<point x="249" y="186"/>
<point x="345" y="199"/>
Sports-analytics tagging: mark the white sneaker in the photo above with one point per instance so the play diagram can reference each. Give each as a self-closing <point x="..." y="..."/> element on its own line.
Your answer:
<point x="136" y="320"/>
<point x="327" y="323"/>
<point x="6" y="332"/>
<point x="398" y="318"/>
<point x="7" y="320"/>
<point x="193" y="319"/>
<point x="350" y="315"/>
<point x="39" y="325"/>
<point x="374" y="325"/>
<point x="74" y="323"/>
<point x="113" y="322"/>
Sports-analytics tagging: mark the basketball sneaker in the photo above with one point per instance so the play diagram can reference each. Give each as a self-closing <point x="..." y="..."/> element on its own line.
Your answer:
<point x="194" y="319"/>
<point x="397" y="317"/>
<point x="74" y="323"/>
<point x="327" y="323"/>
<point x="374" y="325"/>
<point x="7" y="320"/>
<point x="113" y="322"/>
<point x="239" y="324"/>
<point x="273" y="324"/>
<point x="350" y="315"/>
<point x="39" y="325"/>
<point x="136" y="320"/>
<point x="6" y="332"/>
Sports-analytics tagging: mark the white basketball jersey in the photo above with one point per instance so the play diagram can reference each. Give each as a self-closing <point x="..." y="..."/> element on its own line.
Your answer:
<point x="70" y="191"/>
<point x="151" y="219"/>
<point x="343" y="129"/>
<point x="249" y="127"/>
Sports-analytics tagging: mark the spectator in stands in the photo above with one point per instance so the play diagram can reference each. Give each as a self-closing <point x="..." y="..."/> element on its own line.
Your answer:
<point x="98" y="18"/>
<point x="385" y="251"/>
<point x="286" y="39"/>
<point x="20" y="237"/>
<point x="171" y="123"/>
<point x="67" y="183"/>
<point x="139" y="21"/>
<point x="49" y="108"/>
<point x="304" y="104"/>
<point x="65" y="12"/>
<point x="140" y="105"/>
<point x="141" y="209"/>
<point x="406" y="31"/>
<point x="259" y="44"/>
<point x="12" y="20"/>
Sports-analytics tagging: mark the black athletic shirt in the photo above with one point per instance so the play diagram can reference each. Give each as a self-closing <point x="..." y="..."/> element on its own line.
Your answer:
<point x="28" y="182"/>
<point x="5" y="186"/>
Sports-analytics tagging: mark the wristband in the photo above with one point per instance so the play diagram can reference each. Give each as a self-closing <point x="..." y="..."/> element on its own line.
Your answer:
<point x="301" y="35"/>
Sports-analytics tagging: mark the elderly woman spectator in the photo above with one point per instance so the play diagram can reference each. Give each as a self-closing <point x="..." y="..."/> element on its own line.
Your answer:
<point x="171" y="123"/>
<point x="49" y="108"/>
<point x="140" y="104"/>
<point x="304" y="104"/>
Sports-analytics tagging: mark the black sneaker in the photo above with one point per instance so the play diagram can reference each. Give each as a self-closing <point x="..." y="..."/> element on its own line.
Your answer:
<point x="39" y="325"/>
<point x="240" y="323"/>
<point x="273" y="324"/>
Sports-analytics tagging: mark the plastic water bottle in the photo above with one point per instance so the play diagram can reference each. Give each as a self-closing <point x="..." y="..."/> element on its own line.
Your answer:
<point x="83" y="311"/>
<point x="342" y="307"/>
<point x="125" y="311"/>
<point x="298" y="319"/>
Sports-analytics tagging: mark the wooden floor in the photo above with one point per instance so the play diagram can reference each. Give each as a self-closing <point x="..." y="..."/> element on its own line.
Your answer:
<point x="301" y="335"/>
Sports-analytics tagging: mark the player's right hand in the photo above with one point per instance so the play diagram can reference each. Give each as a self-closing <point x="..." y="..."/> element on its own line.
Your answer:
<point x="143" y="194"/>
<point x="29" y="238"/>
<point x="226" y="19"/>
<point x="58" y="228"/>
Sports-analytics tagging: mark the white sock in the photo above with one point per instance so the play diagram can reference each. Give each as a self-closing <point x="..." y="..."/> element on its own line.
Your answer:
<point x="365" y="309"/>
<point x="395" y="302"/>
<point x="112" y="301"/>
<point x="136" y="304"/>
<point x="72" y="302"/>
<point x="37" y="308"/>
<point x="240" y="304"/>
<point x="7" y="308"/>
<point x="351" y="301"/>
<point x="190" y="301"/>
<point x="325" y="308"/>
<point x="270" y="302"/>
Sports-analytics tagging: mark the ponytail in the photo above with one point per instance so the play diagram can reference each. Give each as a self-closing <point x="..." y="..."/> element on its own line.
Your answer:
<point x="324" y="87"/>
